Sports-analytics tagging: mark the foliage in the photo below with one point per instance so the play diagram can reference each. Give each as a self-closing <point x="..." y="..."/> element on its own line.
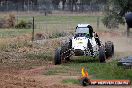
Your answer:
<point x="112" y="20"/>
<point x="58" y="34"/>
<point x="8" y="21"/>
<point x="71" y="81"/>
<point x="24" y="25"/>
<point x="11" y="20"/>
<point x="115" y="11"/>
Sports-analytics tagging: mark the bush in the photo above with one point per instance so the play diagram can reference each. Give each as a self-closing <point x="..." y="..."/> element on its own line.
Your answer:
<point x="58" y="34"/>
<point x="24" y="25"/>
<point x="8" y="21"/>
<point x="110" y="22"/>
<point x="40" y="36"/>
<point x="11" y="20"/>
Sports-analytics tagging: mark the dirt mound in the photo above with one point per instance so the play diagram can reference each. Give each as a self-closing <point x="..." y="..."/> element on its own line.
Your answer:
<point x="12" y="81"/>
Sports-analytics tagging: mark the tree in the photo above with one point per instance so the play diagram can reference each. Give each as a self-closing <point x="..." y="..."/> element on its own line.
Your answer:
<point x="115" y="11"/>
<point x="72" y="3"/>
<point x="55" y="3"/>
<point x="93" y="4"/>
<point x="63" y="4"/>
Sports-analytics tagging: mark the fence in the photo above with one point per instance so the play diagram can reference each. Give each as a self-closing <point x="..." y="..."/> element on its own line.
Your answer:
<point x="63" y="24"/>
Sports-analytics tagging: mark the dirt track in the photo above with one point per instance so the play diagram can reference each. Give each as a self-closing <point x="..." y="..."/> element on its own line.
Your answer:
<point x="34" y="78"/>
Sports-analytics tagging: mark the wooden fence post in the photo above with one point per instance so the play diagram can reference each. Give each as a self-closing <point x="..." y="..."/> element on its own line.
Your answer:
<point x="98" y="18"/>
<point x="33" y="30"/>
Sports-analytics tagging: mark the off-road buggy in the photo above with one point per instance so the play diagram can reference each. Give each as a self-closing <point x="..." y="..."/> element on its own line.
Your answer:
<point x="85" y="42"/>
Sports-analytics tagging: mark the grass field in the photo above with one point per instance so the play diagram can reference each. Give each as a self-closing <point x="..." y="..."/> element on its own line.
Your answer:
<point x="48" y="24"/>
<point x="51" y="24"/>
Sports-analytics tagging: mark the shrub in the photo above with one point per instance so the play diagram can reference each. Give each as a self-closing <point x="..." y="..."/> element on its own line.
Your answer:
<point x="24" y="25"/>
<point x="58" y="34"/>
<point x="11" y="20"/>
<point x="8" y="21"/>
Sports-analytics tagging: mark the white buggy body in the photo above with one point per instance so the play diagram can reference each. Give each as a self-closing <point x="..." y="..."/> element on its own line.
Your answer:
<point x="85" y="42"/>
<point x="80" y="42"/>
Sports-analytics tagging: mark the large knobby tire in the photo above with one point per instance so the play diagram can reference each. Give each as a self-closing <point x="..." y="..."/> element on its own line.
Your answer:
<point x="69" y="52"/>
<point x="70" y="44"/>
<point x="109" y="49"/>
<point x="85" y="81"/>
<point x="102" y="55"/>
<point x="89" y="45"/>
<point x="65" y="47"/>
<point x="57" y="57"/>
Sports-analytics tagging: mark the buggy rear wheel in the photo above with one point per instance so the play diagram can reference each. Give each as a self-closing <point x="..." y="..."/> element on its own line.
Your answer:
<point x="102" y="55"/>
<point x="57" y="57"/>
<point x="109" y="49"/>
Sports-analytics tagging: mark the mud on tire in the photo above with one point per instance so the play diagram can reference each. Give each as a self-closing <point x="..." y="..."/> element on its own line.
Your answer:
<point x="109" y="49"/>
<point x="57" y="57"/>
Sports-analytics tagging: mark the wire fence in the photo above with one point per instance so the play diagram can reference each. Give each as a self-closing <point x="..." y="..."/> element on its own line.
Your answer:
<point x="48" y="26"/>
<point x="50" y="19"/>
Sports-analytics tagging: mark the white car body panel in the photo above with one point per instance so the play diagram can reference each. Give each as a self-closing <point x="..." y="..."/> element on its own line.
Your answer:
<point x="79" y="43"/>
<point x="82" y="25"/>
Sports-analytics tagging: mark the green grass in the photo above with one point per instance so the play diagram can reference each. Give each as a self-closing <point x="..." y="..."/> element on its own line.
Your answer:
<point x="60" y="19"/>
<point x="5" y="33"/>
<point x="71" y="81"/>
<point x="97" y="70"/>
<point x="48" y="23"/>
<point x="39" y="56"/>
<point x="106" y="70"/>
<point x="53" y="24"/>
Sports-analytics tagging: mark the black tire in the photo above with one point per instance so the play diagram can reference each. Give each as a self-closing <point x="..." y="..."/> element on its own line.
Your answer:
<point x="109" y="49"/>
<point x="69" y="47"/>
<point x="89" y="45"/>
<point x="66" y="47"/>
<point x="70" y="44"/>
<point x="85" y="81"/>
<point x="57" y="58"/>
<point x="102" y="55"/>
